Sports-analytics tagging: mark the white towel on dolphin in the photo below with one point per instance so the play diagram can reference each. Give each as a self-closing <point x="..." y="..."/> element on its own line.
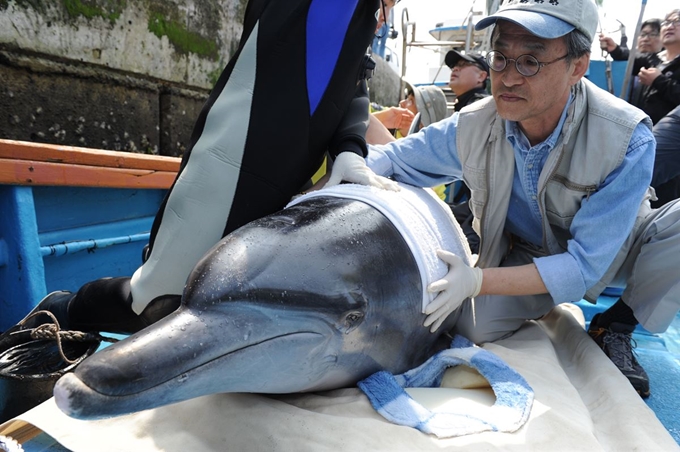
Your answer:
<point x="424" y="220"/>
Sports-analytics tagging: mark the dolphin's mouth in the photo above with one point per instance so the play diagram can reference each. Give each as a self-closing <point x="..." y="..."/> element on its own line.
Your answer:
<point x="142" y="362"/>
<point x="228" y="355"/>
<point x="247" y="369"/>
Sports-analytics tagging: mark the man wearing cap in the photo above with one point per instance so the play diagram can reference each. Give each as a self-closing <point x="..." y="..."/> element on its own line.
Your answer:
<point x="559" y="171"/>
<point x="469" y="73"/>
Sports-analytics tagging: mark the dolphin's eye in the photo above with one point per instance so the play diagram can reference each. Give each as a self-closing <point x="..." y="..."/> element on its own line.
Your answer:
<point x="352" y="320"/>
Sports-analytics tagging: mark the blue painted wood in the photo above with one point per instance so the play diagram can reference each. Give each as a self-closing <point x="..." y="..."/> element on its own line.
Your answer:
<point x="21" y="266"/>
<point x="35" y="217"/>
<point x="598" y="75"/>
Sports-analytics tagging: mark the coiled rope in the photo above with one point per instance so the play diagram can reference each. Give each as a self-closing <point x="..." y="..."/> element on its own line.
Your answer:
<point x="52" y="331"/>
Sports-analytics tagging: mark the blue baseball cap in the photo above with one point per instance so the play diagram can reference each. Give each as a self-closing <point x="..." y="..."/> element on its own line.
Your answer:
<point x="547" y="19"/>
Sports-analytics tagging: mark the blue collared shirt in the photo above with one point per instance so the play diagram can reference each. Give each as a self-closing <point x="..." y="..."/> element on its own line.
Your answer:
<point x="430" y="158"/>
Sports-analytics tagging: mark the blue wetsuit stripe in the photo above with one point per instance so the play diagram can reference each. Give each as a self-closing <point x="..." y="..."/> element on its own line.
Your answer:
<point x="327" y="24"/>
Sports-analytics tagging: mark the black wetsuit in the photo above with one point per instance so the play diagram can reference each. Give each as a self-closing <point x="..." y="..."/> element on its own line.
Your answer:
<point x="294" y="90"/>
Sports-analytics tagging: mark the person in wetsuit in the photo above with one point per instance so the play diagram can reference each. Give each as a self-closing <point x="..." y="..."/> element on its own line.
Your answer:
<point x="254" y="146"/>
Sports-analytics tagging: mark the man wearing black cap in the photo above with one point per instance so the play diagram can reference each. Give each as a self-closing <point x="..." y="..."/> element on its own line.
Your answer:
<point x="469" y="73"/>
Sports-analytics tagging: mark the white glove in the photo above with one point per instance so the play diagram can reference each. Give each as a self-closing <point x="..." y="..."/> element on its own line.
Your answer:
<point x="461" y="282"/>
<point x="350" y="167"/>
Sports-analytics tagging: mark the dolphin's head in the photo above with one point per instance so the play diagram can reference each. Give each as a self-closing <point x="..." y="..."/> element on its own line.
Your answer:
<point x="315" y="297"/>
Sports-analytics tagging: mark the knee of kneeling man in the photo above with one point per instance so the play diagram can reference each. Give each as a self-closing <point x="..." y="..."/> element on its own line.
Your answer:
<point x="481" y="332"/>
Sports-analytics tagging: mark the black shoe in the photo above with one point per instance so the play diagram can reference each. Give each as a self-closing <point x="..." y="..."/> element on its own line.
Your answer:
<point x="617" y="343"/>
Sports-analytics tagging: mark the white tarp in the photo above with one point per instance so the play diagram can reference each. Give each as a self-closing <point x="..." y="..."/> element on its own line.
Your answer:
<point x="582" y="403"/>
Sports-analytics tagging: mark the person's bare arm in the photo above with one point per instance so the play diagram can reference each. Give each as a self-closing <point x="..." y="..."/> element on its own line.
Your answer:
<point x="395" y="117"/>
<point x="521" y="280"/>
<point x="377" y="133"/>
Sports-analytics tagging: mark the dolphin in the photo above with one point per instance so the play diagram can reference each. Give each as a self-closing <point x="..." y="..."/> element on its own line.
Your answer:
<point x="315" y="297"/>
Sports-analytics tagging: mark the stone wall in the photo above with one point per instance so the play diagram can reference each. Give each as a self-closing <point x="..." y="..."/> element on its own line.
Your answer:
<point x="126" y="75"/>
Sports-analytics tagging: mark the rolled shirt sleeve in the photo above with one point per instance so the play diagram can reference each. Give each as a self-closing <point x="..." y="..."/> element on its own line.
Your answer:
<point x="601" y="225"/>
<point x="425" y="159"/>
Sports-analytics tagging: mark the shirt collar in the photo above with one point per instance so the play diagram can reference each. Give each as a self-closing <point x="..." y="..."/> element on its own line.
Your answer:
<point x="515" y="135"/>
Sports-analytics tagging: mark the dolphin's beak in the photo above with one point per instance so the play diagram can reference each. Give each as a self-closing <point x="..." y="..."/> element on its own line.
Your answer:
<point x="181" y="357"/>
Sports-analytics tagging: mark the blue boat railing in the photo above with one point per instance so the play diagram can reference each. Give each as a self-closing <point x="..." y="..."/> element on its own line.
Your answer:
<point x="70" y="215"/>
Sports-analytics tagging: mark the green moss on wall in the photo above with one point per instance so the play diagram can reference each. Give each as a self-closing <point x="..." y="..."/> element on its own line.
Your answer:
<point x="183" y="40"/>
<point x="241" y="11"/>
<point x="214" y="75"/>
<point x="106" y="9"/>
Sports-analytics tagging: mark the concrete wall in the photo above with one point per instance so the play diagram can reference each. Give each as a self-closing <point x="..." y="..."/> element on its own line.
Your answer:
<point x="126" y="75"/>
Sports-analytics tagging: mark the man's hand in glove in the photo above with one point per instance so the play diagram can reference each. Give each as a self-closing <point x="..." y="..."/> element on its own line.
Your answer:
<point x="350" y="167"/>
<point x="461" y="282"/>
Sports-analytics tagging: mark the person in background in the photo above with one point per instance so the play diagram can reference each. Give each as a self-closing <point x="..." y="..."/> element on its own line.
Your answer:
<point x="469" y="76"/>
<point x="656" y="72"/>
<point x="662" y="82"/>
<point x="559" y="172"/>
<point x="648" y="47"/>
<point x="428" y="100"/>
<point x="649" y="41"/>
<point x="658" y="79"/>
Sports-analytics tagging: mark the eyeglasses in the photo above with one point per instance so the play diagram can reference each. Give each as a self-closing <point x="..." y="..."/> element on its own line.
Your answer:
<point x="668" y="23"/>
<point x="649" y="35"/>
<point x="527" y="65"/>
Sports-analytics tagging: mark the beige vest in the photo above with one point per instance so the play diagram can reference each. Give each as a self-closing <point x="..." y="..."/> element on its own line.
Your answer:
<point x="593" y="142"/>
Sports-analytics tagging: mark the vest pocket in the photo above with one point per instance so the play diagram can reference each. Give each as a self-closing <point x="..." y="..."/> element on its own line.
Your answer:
<point x="475" y="179"/>
<point x="563" y="199"/>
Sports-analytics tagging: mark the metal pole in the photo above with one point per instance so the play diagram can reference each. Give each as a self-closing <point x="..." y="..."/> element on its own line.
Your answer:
<point x="404" y="31"/>
<point x="631" y="56"/>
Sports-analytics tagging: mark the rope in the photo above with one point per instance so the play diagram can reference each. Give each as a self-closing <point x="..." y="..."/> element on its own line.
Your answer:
<point x="52" y="331"/>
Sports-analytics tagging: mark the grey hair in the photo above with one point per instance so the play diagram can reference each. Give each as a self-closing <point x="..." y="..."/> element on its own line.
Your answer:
<point x="578" y="44"/>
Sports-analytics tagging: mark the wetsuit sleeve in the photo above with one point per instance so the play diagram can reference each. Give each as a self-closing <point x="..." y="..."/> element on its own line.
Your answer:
<point x="351" y="133"/>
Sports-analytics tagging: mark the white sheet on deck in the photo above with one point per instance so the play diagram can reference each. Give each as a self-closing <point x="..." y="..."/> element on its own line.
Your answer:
<point x="582" y="404"/>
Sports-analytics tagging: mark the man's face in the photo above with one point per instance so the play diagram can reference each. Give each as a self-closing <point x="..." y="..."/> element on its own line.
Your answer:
<point x="670" y="30"/>
<point x="465" y="76"/>
<point x="649" y="40"/>
<point x="389" y="4"/>
<point x="539" y="98"/>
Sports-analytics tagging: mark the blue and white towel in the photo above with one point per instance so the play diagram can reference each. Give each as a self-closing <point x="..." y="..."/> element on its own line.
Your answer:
<point x="514" y="396"/>
<point x="423" y="220"/>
